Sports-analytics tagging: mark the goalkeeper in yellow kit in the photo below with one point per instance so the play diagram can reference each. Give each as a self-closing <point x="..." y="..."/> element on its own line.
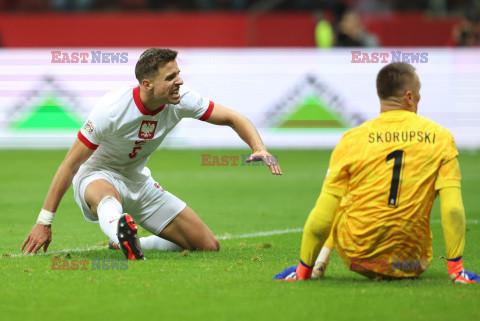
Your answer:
<point x="383" y="177"/>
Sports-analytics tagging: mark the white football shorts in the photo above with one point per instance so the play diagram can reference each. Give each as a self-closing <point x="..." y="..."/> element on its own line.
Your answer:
<point x="147" y="202"/>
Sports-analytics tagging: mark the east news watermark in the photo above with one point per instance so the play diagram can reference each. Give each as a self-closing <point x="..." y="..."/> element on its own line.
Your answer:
<point x="59" y="264"/>
<point x="384" y="265"/>
<point x="237" y="160"/>
<point x="84" y="57"/>
<point x="375" y="57"/>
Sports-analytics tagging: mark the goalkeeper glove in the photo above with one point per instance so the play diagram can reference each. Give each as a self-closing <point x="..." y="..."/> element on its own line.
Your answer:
<point x="458" y="274"/>
<point x="294" y="273"/>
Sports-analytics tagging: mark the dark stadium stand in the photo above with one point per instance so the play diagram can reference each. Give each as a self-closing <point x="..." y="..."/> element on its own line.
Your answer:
<point x="295" y="29"/>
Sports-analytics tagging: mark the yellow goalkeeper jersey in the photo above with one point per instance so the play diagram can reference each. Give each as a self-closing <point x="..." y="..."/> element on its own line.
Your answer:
<point x="388" y="171"/>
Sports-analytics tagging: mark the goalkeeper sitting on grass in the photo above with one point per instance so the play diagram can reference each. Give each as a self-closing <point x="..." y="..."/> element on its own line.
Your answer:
<point x="383" y="177"/>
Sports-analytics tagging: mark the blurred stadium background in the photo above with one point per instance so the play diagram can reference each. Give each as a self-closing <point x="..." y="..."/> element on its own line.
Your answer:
<point x="287" y="65"/>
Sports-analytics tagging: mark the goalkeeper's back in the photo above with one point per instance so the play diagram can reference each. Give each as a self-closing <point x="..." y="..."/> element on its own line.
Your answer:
<point x="388" y="172"/>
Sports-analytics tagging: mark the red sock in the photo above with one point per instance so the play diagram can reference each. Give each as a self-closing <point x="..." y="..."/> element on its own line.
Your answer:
<point x="304" y="271"/>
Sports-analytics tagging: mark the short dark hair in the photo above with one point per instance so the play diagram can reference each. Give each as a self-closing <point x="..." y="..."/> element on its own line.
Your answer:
<point x="150" y="60"/>
<point x="393" y="78"/>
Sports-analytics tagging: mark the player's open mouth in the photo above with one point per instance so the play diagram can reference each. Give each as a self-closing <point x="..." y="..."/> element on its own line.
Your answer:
<point x="175" y="94"/>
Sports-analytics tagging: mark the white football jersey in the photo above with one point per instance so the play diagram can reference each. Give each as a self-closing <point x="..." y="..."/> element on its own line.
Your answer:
<point x="124" y="134"/>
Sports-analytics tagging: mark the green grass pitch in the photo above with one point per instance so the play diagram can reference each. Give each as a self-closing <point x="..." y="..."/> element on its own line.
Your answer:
<point x="235" y="283"/>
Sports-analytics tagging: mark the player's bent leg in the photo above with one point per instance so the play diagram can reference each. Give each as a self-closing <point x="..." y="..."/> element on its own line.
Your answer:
<point x="188" y="231"/>
<point x="97" y="190"/>
<point x="154" y="242"/>
<point x="104" y="201"/>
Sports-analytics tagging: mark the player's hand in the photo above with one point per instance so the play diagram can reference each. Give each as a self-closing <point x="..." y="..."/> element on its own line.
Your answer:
<point x="294" y="273"/>
<point x="268" y="159"/>
<point x="466" y="277"/>
<point x="40" y="235"/>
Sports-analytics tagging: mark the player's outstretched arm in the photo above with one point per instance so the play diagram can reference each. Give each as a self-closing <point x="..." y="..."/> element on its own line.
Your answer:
<point x="41" y="233"/>
<point x="247" y="131"/>
<point x="453" y="224"/>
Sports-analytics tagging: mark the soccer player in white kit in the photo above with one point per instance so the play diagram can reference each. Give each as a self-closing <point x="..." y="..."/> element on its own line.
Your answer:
<point x="106" y="163"/>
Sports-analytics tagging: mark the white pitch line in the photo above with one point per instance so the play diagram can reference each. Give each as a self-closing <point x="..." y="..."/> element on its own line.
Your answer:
<point x="257" y="234"/>
<point x="89" y="248"/>
<point x="222" y="237"/>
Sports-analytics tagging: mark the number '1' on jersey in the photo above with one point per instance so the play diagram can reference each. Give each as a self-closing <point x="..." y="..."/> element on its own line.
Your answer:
<point x="388" y="171"/>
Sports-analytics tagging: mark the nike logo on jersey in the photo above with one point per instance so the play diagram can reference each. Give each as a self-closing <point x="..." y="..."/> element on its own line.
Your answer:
<point x="113" y="221"/>
<point x="137" y="147"/>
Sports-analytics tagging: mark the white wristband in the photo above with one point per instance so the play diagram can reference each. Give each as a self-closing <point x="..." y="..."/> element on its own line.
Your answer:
<point x="45" y="217"/>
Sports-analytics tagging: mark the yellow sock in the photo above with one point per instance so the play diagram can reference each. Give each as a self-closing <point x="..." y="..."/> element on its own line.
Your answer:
<point x="317" y="227"/>
<point x="453" y="221"/>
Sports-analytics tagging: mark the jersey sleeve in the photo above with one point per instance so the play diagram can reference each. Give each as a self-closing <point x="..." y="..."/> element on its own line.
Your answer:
<point x="95" y="127"/>
<point x="448" y="175"/>
<point x="450" y="150"/>
<point x="193" y="105"/>
<point x="338" y="176"/>
<point x="449" y="172"/>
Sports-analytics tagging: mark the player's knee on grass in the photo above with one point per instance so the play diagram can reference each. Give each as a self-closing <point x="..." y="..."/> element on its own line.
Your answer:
<point x="216" y="245"/>
<point x="210" y="244"/>
<point x="188" y="231"/>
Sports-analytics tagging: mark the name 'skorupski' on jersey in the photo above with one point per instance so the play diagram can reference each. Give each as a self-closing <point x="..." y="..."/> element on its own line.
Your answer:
<point x="388" y="171"/>
<point x="402" y="136"/>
